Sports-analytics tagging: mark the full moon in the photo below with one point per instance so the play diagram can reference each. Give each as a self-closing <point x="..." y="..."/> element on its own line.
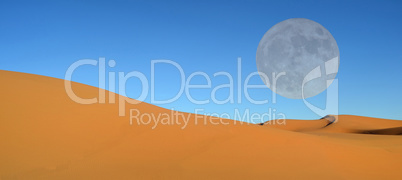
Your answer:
<point x="297" y="58"/>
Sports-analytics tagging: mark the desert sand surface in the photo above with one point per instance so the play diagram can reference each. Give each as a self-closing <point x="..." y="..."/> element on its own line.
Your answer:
<point x="46" y="135"/>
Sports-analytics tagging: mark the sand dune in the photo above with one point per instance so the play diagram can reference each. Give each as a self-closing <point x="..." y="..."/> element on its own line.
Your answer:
<point x="46" y="135"/>
<point x="344" y="124"/>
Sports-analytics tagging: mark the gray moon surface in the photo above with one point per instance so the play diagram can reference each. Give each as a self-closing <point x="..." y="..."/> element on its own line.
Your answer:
<point x="305" y="51"/>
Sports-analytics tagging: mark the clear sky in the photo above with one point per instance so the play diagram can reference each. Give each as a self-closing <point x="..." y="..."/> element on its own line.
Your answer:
<point x="46" y="37"/>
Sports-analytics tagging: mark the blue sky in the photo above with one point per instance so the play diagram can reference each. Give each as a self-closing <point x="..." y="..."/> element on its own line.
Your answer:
<point x="46" y="37"/>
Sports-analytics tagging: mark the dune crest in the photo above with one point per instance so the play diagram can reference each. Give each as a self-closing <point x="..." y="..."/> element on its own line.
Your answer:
<point x="344" y="124"/>
<point x="46" y="135"/>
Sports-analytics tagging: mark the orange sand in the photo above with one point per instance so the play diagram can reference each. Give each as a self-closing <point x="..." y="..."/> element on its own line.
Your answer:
<point x="46" y="135"/>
